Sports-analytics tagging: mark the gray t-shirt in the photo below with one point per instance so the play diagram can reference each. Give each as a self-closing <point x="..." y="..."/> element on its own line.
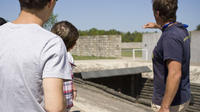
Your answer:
<point x="28" y="53"/>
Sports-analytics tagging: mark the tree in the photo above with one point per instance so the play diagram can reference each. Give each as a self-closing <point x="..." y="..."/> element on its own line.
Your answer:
<point x="198" y="27"/>
<point x="51" y="21"/>
<point x="126" y="37"/>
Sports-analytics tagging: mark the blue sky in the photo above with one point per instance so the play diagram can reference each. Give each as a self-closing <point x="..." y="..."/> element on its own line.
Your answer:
<point x="123" y="15"/>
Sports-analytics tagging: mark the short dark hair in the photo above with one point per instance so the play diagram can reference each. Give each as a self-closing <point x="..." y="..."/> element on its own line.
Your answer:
<point x="67" y="31"/>
<point x="33" y="4"/>
<point x="2" y="21"/>
<point x="167" y="9"/>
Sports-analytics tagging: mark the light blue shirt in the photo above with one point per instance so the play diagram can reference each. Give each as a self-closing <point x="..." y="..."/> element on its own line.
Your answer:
<point x="28" y="53"/>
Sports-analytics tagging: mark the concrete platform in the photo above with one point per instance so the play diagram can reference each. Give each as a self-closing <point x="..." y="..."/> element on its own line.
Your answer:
<point x="91" y="99"/>
<point x="95" y="65"/>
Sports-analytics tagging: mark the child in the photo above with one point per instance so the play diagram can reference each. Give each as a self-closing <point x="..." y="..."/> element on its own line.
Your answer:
<point x="69" y="34"/>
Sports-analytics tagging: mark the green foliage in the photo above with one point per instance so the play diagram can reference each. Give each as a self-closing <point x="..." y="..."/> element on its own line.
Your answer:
<point x="198" y="27"/>
<point x="126" y="37"/>
<point x="132" y="37"/>
<point x="51" y="21"/>
<point x="95" y="31"/>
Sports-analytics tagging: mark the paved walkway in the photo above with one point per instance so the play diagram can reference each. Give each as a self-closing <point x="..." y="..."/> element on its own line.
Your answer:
<point x="91" y="99"/>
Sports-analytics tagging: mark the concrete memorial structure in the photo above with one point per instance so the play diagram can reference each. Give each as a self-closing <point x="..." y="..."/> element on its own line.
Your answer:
<point x="150" y="40"/>
<point x="99" y="46"/>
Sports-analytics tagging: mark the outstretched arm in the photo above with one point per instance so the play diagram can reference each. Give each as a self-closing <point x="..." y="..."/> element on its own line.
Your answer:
<point x="152" y="25"/>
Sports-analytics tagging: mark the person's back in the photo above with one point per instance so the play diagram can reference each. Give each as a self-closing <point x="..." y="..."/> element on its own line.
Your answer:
<point x="21" y="47"/>
<point x="33" y="63"/>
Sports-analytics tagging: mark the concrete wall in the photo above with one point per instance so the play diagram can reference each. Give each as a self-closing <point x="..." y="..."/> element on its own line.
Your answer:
<point x="150" y="41"/>
<point x="100" y="46"/>
<point x="131" y="45"/>
<point x="195" y="47"/>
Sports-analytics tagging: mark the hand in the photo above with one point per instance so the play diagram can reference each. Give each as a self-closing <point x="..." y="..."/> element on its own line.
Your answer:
<point x="74" y="94"/>
<point x="152" y="25"/>
<point x="164" y="109"/>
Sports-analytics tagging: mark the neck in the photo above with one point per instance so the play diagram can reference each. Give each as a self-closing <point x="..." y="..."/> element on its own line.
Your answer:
<point x="166" y="23"/>
<point x="27" y="17"/>
<point x="162" y="24"/>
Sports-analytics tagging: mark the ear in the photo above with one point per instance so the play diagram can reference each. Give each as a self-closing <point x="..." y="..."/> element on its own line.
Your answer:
<point x="51" y="3"/>
<point x="157" y="13"/>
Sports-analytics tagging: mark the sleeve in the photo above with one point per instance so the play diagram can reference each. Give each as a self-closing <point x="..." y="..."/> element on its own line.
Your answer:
<point x="54" y="60"/>
<point x="172" y="49"/>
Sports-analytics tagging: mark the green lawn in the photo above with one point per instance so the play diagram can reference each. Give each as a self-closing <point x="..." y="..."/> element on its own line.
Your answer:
<point x="124" y="53"/>
<point x="129" y="53"/>
<point x="90" y="57"/>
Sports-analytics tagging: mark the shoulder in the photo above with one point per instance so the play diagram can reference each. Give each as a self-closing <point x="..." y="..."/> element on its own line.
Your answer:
<point x="173" y="34"/>
<point x="44" y="33"/>
<point x="176" y="32"/>
<point x="46" y="37"/>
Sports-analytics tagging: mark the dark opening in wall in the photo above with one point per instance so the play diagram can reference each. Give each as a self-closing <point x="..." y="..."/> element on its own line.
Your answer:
<point x="130" y="85"/>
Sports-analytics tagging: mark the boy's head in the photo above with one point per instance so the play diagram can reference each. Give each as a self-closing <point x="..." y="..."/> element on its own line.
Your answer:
<point x="165" y="10"/>
<point x="67" y="32"/>
<point x="41" y="8"/>
<point x="33" y="4"/>
<point x="2" y="21"/>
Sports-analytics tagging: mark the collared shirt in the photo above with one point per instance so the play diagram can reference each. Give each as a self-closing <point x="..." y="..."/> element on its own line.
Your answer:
<point x="174" y="44"/>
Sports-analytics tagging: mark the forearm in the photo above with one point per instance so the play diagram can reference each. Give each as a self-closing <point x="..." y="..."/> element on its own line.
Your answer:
<point x="173" y="81"/>
<point x="53" y="95"/>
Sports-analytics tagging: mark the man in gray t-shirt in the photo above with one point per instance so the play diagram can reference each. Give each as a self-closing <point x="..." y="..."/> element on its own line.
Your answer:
<point x="33" y="62"/>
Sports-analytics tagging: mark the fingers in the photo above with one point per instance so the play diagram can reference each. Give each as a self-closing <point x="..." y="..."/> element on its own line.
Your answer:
<point x="146" y="26"/>
<point x="149" y="25"/>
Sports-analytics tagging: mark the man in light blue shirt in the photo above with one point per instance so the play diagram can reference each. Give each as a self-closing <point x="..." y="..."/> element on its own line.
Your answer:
<point x="33" y="62"/>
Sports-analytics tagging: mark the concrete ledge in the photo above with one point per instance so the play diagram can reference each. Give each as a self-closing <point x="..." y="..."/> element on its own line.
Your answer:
<point x="115" y="72"/>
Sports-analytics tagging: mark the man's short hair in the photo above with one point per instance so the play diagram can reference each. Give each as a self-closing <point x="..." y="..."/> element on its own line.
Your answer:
<point x="33" y="4"/>
<point x="67" y="31"/>
<point x="167" y="9"/>
<point x="2" y="21"/>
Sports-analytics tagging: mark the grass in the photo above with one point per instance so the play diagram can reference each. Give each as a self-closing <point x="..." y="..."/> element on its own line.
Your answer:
<point x="124" y="53"/>
<point x="90" y="57"/>
<point x="129" y="53"/>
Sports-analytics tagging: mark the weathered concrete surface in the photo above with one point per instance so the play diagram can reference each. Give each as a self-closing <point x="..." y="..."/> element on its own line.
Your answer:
<point x="195" y="50"/>
<point x="150" y="41"/>
<point x="131" y="45"/>
<point x="95" y="65"/>
<point x="91" y="99"/>
<point x="100" y="46"/>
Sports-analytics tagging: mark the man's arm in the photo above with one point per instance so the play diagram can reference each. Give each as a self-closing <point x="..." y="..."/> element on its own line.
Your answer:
<point x="53" y="95"/>
<point x="173" y="81"/>
<point x="152" y="25"/>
